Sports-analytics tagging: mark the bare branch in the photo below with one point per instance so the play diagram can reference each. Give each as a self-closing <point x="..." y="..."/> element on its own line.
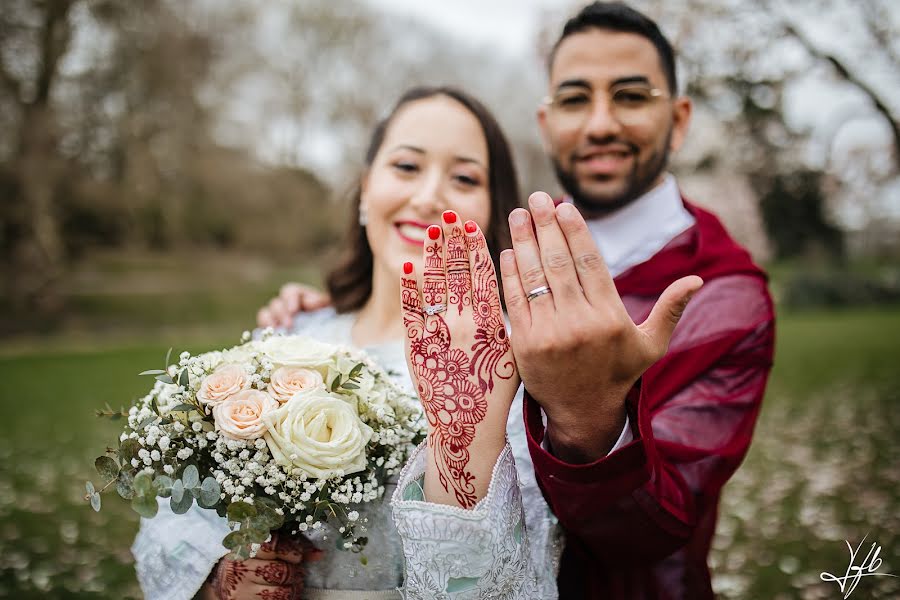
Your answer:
<point x="842" y="70"/>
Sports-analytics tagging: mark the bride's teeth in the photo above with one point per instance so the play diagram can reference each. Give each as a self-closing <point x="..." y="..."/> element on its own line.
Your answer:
<point x="412" y="232"/>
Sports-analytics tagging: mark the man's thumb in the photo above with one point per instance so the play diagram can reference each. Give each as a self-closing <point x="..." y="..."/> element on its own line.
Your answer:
<point x="665" y="315"/>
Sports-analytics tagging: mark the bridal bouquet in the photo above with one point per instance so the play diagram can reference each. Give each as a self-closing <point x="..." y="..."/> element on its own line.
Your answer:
<point x="284" y="431"/>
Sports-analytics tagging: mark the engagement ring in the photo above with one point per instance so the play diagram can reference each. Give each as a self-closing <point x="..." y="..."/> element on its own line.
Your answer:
<point x="539" y="291"/>
<point x="433" y="309"/>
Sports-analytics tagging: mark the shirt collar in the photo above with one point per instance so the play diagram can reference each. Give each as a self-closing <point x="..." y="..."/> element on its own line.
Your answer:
<point x="636" y="232"/>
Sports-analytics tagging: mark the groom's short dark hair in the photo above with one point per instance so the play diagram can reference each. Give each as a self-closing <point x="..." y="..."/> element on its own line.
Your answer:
<point x="616" y="16"/>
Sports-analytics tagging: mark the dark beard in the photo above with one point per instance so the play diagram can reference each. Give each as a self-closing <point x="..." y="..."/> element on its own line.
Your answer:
<point x="639" y="182"/>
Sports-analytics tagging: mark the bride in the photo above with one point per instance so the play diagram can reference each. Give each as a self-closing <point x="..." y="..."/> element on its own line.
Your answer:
<point x="465" y="518"/>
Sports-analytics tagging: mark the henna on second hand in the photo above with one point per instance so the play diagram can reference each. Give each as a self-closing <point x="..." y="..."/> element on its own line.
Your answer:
<point x="452" y="382"/>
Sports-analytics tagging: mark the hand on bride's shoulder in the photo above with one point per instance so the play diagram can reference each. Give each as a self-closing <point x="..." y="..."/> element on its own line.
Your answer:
<point x="292" y="299"/>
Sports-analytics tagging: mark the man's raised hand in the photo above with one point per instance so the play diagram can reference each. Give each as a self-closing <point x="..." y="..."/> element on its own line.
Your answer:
<point x="293" y="298"/>
<point x="577" y="349"/>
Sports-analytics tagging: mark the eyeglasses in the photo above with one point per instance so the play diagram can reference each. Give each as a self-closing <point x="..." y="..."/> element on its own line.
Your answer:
<point x="630" y="104"/>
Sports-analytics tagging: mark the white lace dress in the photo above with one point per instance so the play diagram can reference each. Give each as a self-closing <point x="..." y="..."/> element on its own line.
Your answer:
<point x="508" y="546"/>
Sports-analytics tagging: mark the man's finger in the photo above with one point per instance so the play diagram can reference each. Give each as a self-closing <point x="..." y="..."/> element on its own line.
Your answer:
<point x="593" y="275"/>
<point x="513" y="294"/>
<point x="312" y="299"/>
<point x="559" y="267"/>
<point x="528" y="264"/>
<point x="264" y="318"/>
<point x="660" y="325"/>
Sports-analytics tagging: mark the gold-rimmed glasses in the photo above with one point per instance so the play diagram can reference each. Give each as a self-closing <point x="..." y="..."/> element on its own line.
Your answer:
<point x="630" y="104"/>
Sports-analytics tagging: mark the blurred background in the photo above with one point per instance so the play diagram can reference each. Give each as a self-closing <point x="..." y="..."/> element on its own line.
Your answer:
<point x="165" y="166"/>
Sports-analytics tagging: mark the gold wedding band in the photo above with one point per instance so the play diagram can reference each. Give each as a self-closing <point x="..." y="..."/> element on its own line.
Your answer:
<point x="538" y="291"/>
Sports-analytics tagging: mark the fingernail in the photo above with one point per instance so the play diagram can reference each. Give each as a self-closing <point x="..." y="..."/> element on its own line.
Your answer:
<point x="539" y="200"/>
<point x="566" y="211"/>
<point x="449" y="217"/>
<point x="471" y="227"/>
<point x="407" y="268"/>
<point x="434" y="232"/>
<point x="508" y="257"/>
<point x="518" y="217"/>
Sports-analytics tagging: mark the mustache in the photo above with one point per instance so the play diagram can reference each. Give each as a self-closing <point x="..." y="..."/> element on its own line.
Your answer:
<point x="595" y="144"/>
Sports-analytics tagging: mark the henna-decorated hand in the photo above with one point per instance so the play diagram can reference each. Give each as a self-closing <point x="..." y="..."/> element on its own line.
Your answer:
<point x="276" y="573"/>
<point x="460" y="360"/>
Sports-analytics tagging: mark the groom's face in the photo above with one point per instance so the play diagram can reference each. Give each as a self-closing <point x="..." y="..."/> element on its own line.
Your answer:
<point x="610" y="120"/>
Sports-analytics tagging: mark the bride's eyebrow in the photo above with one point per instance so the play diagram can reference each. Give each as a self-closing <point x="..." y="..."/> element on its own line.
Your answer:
<point x="408" y="147"/>
<point x="469" y="160"/>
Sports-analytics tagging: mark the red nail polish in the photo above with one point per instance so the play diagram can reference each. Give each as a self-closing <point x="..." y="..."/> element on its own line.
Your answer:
<point x="434" y="232"/>
<point x="449" y="217"/>
<point x="471" y="227"/>
<point x="407" y="268"/>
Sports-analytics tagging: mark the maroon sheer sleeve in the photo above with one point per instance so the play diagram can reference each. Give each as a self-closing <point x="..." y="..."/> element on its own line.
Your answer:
<point x="692" y="416"/>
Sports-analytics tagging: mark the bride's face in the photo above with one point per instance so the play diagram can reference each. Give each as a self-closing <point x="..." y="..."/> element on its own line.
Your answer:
<point x="434" y="157"/>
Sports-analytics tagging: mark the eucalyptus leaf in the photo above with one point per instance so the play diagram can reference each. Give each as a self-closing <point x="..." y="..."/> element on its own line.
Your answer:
<point x="152" y="372"/>
<point x="168" y="356"/>
<point x="89" y="486"/>
<point x="184" y="379"/>
<point x="182" y="506"/>
<point x="183" y="408"/>
<point x="145" y="506"/>
<point x="107" y="468"/>
<point x="209" y="493"/>
<point x="335" y="383"/>
<point x="350" y="386"/>
<point x="154" y="405"/>
<point x="268" y="517"/>
<point x="128" y="450"/>
<point x="190" y="477"/>
<point x="239" y="511"/>
<point x="95" y="502"/>
<point x="356" y="370"/>
<point x="240" y="553"/>
<point x="257" y="535"/>
<point x="235" y="539"/>
<point x="163" y="486"/>
<point x="164" y="379"/>
<point x="177" y="491"/>
<point x="143" y="484"/>
<point x="125" y="485"/>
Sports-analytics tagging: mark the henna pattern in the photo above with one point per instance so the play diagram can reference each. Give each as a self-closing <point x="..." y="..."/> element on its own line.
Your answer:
<point x="459" y="284"/>
<point x="275" y="572"/>
<point x="229" y="575"/>
<point x="453" y="381"/>
<point x="433" y="282"/>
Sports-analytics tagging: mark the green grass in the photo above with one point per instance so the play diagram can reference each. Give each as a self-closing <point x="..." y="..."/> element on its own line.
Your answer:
<point x="823" y="467"/>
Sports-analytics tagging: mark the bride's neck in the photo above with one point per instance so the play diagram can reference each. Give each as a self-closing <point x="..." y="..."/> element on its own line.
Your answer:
<point x="379" y="319"/>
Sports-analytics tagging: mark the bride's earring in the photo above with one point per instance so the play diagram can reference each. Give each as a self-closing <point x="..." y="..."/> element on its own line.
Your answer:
<point x="363" y="216"/>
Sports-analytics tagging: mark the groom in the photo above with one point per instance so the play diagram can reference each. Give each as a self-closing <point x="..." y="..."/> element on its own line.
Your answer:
<point x="644" y="424"/>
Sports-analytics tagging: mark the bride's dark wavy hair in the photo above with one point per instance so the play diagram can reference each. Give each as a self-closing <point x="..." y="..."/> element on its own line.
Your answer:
<point x="350" y="282"/>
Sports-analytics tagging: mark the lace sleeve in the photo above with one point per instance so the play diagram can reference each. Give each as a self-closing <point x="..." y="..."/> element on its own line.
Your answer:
<point x="452" y="553"/>
<point x="174" y="554"/>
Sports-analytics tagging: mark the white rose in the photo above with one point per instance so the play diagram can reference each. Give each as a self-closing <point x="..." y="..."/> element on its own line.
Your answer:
<point x="227" y="380"/>
<point x="241" y="416"/>
<point x="296" y="351"/>
<point x="318" y="433"/>
<point x="287" y="381"/>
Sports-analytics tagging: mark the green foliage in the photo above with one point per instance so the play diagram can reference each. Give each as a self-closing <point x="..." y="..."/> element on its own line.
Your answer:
<point x="838" y="288"/>
<point x="107" y="468"/>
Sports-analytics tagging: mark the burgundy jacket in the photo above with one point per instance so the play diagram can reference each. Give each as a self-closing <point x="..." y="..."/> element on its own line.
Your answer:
<point x="639" y="522"/>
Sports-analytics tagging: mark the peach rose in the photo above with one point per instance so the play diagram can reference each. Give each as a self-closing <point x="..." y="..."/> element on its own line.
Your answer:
<point x="222" y="383"/>
<point x="287" y="381"/>
<point x="240" y="416"/>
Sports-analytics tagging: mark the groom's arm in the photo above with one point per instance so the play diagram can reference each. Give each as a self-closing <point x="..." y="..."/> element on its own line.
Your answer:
<point x="642" y="501"/>
<point x="292" y="299"/>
